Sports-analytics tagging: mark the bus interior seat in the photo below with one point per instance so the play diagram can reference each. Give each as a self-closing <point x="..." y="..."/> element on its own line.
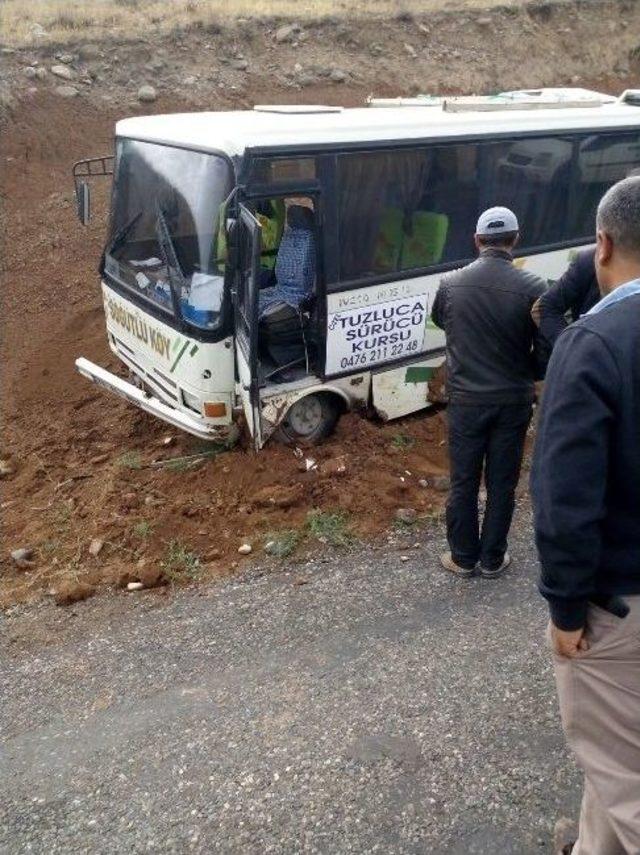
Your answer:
<point x="419" y="246"/>
<point x="286" y="309"/>
<point x="295" y="263"/>
<point x="425" y="245"/>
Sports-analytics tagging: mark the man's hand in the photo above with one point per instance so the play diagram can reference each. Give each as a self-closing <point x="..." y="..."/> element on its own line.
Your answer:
<point x="536" y="312"/>
<point x="569" y="644"/>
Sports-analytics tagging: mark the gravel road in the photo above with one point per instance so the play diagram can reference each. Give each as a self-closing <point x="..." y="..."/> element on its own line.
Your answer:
<point x="362" y="701"/>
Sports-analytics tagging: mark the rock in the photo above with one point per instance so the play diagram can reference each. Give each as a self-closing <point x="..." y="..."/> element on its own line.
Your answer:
<point x="37" y="31"/>
<point x="336" y="466"/>
<point x="406" y="516"/>
<point x="271" y="547"/>
<point x="41" y="73"/>
<point x="484" y="22"/>
<point x="147" y="94"/>
<point x="191" y="80"/>
<point x="423" y="483"/>
<point x="440" y="483"/>
<point x="245" y="549"/>
<point x="135" y="586"/>
<point x="151" y="577"/>
<point x="125" y="578"/>
<point x="73" y="592"/>
<point x="89" y="52"/>
<point x="22" y="558"/>
<point x="337" y="75"/>
<point x="6" y="468"/>
<point x="95" y="547"/>
<point x="287" y="33"/>
<point x="376" y="50"/>
<point x="410" y="50"/>
<point x="66" y="58"/>
<point x="305" y="79"/>
<point x="240" y="64"/>
<point x="405" y="558"/>
<point x="62" y="71"/>
<point x="66" y="91"/>
<point x="30" y="72"/>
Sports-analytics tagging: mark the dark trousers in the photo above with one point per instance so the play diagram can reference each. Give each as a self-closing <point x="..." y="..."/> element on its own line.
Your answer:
<point x="489" y="437"/>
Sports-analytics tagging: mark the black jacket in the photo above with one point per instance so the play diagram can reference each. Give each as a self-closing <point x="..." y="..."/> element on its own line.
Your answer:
<point x="494" y="351"/>
<point x="585" y="479"/>
<point x="574" y="293"/>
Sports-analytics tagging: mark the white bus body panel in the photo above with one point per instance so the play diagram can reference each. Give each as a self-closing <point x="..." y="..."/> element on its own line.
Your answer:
<point x="171" y="364"/>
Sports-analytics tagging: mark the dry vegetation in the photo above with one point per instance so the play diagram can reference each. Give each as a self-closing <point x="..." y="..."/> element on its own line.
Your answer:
<point x="69" y="20"/>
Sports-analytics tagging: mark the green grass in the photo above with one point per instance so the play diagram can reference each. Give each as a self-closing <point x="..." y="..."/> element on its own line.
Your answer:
<point x="330" y="527"/>
<point x="130" y="460"/>
<point x="180" y="563"/>
<point x="142" y="529"/>
<point x="402" y="442"/>
<point x="282" y="543"/>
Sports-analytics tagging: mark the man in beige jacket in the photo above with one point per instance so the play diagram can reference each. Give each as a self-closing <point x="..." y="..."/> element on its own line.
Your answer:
<point x="586" y="491"/>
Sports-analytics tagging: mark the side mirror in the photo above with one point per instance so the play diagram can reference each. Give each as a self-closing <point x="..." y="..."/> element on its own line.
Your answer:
<point x="83" y="202"/>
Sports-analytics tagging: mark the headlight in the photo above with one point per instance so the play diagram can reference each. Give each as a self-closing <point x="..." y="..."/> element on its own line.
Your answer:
<point x="192" y="401"/>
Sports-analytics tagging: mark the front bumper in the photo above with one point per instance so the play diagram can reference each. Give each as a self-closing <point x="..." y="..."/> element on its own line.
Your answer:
<point x="150" y="404"/>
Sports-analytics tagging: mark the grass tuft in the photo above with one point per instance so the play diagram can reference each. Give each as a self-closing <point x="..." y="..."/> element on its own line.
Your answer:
<point x="403" y="442"/>
<point x="282" y="543"/>
<point x="142" y="529"/>
<point x="180" y="563"/>
<point x="330" y="527"/>
<point x="130" y="460"/>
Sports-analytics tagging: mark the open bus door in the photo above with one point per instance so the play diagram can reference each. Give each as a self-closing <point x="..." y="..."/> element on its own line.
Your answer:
<point x="249" y="243"/>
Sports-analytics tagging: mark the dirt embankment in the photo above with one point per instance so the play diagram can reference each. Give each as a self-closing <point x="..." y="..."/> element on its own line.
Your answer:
<point x="80" y="458"/>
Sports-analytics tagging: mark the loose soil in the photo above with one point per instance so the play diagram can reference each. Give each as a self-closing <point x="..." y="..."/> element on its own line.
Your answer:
<point x="82" y="457"/>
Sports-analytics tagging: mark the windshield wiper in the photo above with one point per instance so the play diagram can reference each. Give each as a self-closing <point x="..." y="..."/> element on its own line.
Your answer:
<point x="122" y="233"/>
<point x="168" y="248"/>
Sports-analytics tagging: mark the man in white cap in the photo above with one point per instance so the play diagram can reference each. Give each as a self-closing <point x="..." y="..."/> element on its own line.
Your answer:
<point x="494" y="355"/>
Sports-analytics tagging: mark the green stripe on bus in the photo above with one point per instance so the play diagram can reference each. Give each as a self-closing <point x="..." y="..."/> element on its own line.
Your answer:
<point x="176" y="343"/>
<point x="194" y="350"/>
<point x="179" y="356"/>
<point x="418" y="374"/>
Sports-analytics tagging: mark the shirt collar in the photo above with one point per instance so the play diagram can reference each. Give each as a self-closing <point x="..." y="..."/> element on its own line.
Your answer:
<point x="619" y="293"/>
<point x="496" y="252"/>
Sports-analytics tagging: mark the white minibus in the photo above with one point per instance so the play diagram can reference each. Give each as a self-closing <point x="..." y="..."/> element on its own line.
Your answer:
<point x="280" y="263"/>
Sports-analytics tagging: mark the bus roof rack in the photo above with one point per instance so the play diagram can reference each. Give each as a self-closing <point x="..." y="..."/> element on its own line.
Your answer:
<point x="296" y="108"/>
<point x="418" y="101"/>
<point x="521" y="99"/>
<point x="631" y="97"/>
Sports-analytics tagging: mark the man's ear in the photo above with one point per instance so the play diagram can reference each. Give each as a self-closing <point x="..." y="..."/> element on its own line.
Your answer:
<point x="516" y="241"/>
<point x="604" y="248"/>
<point x="476" y="241"/>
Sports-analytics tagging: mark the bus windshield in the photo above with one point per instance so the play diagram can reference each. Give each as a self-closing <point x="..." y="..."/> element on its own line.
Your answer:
<point x="166" y="240"/>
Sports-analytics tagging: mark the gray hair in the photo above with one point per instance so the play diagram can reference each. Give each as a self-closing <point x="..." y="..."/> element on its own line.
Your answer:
<point x="619" y="214"/>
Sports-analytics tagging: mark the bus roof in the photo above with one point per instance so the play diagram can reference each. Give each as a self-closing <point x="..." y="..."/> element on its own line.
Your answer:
<point x="235" y="132"/>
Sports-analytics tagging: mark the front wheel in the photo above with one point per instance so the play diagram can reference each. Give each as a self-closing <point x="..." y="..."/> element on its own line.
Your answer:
<point x="310" y="420"/>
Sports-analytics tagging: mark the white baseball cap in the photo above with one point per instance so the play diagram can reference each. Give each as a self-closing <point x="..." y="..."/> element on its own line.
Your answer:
<point x="497" y="221"/>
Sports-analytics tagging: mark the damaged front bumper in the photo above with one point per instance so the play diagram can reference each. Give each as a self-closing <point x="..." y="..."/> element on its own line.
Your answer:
<point x="150" y="404"/>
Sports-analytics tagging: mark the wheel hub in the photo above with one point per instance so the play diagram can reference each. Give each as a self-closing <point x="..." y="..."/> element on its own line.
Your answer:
<point x="305" y="416"/>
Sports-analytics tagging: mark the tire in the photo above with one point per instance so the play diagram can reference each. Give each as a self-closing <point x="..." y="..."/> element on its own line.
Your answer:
<point x="309" y="420"/>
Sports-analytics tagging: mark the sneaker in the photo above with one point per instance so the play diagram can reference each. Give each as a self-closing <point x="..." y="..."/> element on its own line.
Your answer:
<point x="449" y="564"/>
<point x="493" y="574"/>
<point x="565" y="833"/>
